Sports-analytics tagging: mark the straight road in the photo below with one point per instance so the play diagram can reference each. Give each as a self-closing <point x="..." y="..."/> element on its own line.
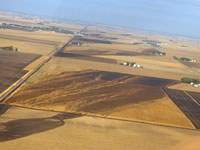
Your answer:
<point x="4" y="95"/>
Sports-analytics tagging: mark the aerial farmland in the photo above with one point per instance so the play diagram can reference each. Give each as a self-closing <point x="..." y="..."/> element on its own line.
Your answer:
<point x="85" y="82"/>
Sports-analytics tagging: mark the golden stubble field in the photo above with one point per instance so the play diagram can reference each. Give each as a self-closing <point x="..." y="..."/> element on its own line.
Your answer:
<point x="40" y="42"/>
<point x="54" y="130"/>
<point x="185" y="87"/>
<point x="154" y="65"/>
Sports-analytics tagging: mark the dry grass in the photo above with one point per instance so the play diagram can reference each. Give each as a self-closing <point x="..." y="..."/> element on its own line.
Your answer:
<point x="183" y="53"/>
<point x="76" y="64"/>
<point x="125" y="47"/>
<point x="178" y="47"/>
<point x="18" y="20"/>
<point x="42" y="35"/>
<point x="33" y="47"/>
<point x="44" y="130"/>
<point x="26" y="47"/>
<point x="82" y="64"/>
<point x="160" y="65"/>
<point x="159" y="59"/>
<point x="168" y="112"/>
<point x="146" y="61"/>
<point x="185" y="87"/>
<point x="154" y="64"/>
<point x="35" y="63"/>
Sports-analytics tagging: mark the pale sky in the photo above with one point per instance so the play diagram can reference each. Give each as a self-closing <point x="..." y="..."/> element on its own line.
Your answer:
<point x="169" y="16"/>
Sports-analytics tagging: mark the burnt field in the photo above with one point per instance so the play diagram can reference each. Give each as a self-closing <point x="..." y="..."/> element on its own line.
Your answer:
<point x="195" y="95"/>
<point x="11" y="67"/>
<point x="25" y="39"/>
<point x="92" y="52"/>
<point x="188" y="105"/>
<point x="91" y="91"/>
<point x="85" y="57"/>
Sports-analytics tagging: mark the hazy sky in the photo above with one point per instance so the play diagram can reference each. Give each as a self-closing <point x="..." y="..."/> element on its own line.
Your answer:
<point x="171" y="16"/>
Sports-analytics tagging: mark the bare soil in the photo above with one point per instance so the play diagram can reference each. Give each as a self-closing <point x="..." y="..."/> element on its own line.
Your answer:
<point x="11" y="66"/>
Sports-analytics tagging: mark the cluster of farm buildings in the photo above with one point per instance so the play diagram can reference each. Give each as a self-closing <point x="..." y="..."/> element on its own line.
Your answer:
<point x="131" y="64"/>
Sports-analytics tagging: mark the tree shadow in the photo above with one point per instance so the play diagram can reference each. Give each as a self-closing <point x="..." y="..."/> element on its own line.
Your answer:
<point x="15" y="129"/>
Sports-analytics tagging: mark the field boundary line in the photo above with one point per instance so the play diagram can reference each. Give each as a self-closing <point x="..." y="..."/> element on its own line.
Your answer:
<point x="192" y="98"/>
<point x="188" y="118"/>
<point x="108" y="117"/>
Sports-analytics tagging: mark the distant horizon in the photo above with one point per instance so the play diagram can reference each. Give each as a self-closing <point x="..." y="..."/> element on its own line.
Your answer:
<point x="178" y="17"/>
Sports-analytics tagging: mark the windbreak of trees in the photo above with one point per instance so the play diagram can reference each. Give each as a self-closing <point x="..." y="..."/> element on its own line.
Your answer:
<point x="35" y="28"/>
<point x="93" y="40"/>
<point x="153" y="43"/>
<point x="190" y="80"/>
<point x="182" y="58"/>
<point x="9" y="48"/>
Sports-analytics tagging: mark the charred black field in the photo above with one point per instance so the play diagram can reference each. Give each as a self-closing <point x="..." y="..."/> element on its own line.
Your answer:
<point x="92" y="91"/>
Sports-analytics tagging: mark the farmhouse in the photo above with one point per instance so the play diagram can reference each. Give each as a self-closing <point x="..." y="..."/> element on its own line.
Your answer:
<point x="195" y="84"/>
<point x="158" y="53"/>
<point x="193" y="60"/>
<point x="131" y="64"/>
